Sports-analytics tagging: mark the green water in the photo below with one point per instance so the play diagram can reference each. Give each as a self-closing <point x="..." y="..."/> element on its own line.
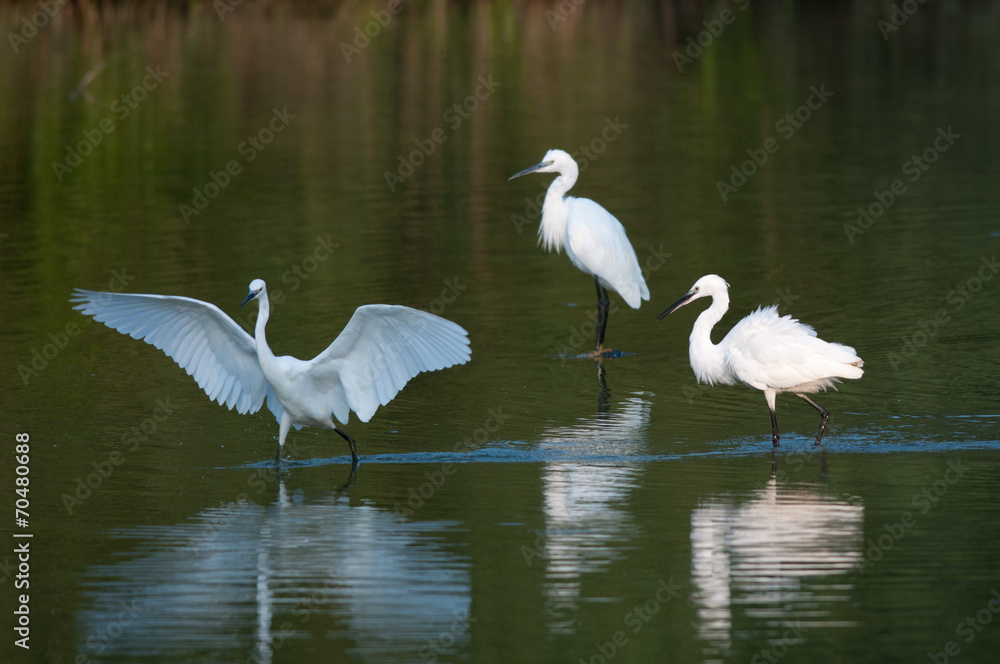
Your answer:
<point x="523" y="507"/>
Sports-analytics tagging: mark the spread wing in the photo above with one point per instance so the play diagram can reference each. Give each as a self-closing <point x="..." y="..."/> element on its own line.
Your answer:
<point x="198" y="336"/>
<point x="380" y="350"/>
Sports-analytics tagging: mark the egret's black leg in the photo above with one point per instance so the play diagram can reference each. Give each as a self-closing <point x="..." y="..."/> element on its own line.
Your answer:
<point x="824" y="416"/>
<point x="277" y="457"/>
<point x="774" y="429"/>
<point x="606" y="307"/>
<point x="601" y="318"/>
<point x="354" y="446"/>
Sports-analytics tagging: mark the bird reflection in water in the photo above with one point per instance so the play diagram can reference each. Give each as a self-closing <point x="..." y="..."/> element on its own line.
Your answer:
<point x="796" y="460"/>
<point x="774" y="556"/>
<point x="587" y="523"/>
<point x="603" y="393"/>
<point x="239" y="581"/>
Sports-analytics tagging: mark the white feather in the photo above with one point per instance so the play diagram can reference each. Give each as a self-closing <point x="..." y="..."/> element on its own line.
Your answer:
<point x="594" y="240"/>
<point x="198" y="336"/>
<point x="764" y="350"/>
<point x="379" y="351"/>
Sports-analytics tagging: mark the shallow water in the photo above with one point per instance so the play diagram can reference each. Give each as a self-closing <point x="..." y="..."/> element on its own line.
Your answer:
<point x="523" y="507"/>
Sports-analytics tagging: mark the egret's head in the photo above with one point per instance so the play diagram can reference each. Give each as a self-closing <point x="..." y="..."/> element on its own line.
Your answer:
<point x="257" y="288"/>
<point x="555" y="161"/>
<point x="708" y="286"/>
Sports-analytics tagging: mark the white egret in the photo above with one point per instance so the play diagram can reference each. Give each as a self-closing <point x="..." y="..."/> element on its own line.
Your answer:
<point x="382" y="347"/>
<point x="764" y="350"/>
<point x="593" y="239"/>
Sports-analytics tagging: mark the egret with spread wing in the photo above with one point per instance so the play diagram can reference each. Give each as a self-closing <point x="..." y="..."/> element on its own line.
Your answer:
<point x="593" y="239"/>
<point x="382" y="347"/>
<point x="764" y="350"/>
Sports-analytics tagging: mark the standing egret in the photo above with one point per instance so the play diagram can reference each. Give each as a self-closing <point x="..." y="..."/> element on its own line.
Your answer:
<point x="764" y="350"/>
<point x="593" y="239"/>
<point x="382" y="347"/>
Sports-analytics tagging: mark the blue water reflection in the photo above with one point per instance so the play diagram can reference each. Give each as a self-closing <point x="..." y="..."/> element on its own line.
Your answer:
<point x="240" y="580"/>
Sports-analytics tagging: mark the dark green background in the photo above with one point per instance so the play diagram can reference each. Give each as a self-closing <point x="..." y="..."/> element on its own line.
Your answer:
<point x="659" y="480"/>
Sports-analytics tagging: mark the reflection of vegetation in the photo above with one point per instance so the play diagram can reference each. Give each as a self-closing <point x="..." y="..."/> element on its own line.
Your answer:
<point x="321" y="184"/>
<point x="359" y="117"/>
<point x="161" y="97"/>
<point x="155" y="143"/>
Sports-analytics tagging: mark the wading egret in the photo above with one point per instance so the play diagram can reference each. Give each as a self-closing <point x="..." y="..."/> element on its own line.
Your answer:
<point x="593" y="239"/>
<point x="382" y="347"/>
<point x="764" y="350"/>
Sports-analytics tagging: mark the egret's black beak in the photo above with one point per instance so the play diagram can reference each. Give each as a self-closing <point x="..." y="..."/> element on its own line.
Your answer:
<point x="250" y="296"/>
<point x="530" y="170"/>
<point x="675" y="306"/>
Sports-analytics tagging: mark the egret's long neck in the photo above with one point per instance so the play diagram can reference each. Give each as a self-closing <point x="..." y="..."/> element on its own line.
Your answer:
<point x="552" y="230"/>
<point x="707" y="359"/>
<point x="263" y="350"/>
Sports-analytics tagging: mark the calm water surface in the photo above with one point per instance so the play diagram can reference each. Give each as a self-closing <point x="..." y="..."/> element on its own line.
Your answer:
<point x="529" y="506"/>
